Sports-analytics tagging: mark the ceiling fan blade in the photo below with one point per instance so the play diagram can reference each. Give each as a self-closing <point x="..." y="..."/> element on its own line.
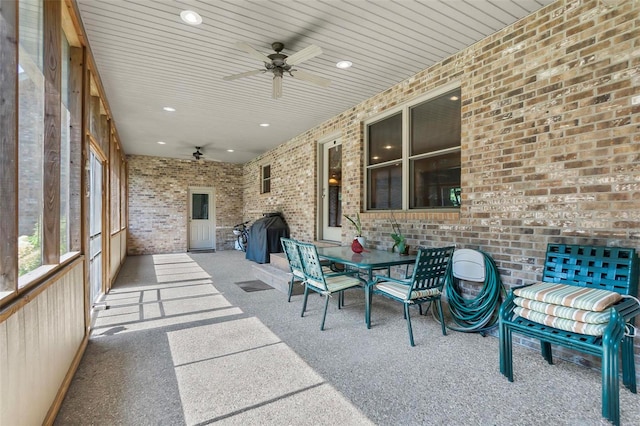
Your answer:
<point x="311" y="78"/>
<point x="253" y="52"/>
<point x="242" y="74"/>
<point x="304" y="55"/>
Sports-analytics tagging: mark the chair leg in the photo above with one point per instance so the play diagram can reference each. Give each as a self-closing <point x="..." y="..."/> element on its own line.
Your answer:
<point x="406" y="315"/>
<point x="506" y="354"/>
<point x="326" y="305"/>
<point x="304" y="301"/>
<point x="545" y="348"/>
<point x="628" y="365"/>
<point x="290" y="288"/>
<point x="610" y="381"/>
<point x="441" y="315"/>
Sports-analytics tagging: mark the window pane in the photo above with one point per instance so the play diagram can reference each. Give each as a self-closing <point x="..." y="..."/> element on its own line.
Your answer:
<point x="30" y="134"/>
<point x="385" y="188"/>
<point x="200" y="206"/>
<point x="385" y="139"/>
<point x="266" y="179"/>
<point x="435" y="124"/>
<point x="65" y="147"/>
<point x="436" y="181"/>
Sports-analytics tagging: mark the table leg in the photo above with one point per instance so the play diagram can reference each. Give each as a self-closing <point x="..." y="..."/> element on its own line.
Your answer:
<point x="367" y="296"/>
<point x="367" y="305"/>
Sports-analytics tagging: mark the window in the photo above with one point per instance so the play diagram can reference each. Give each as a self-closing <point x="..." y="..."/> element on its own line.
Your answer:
<point x="416" y="168"/>
<point x="30" y="135"/>
<point x="266" y="179"/>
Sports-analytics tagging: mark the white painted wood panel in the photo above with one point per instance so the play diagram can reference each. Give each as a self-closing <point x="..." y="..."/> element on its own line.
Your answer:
<point x="37" y="346"/>
<point x="114" y="255"/>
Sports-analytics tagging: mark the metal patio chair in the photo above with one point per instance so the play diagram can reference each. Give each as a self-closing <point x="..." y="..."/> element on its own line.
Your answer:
<point x="324" y="283"/>
<point x="424" y="285"/>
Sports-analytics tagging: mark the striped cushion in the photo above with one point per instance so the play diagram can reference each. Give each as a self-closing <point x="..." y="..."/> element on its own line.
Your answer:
<point x="574" y="314"/>
<point x="561" y="323"/>
<point x="300" y="275"/>
<point x="589" y="299"/>
<point x="341" y="282"/>
<point x="400" y="291"/>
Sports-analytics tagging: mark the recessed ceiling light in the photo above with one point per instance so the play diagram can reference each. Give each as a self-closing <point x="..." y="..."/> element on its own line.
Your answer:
<point x="388" y="147"/>
<point x="454" y="98"/>
<point x="229" y="150"/>
<point x="170" y="109"/>
<point x="344" y="64"/>
<point x="161" y="143"/>
<point x="191" y="17"/>
<point x="264" y="124"/>
<point x="376" y="158"/>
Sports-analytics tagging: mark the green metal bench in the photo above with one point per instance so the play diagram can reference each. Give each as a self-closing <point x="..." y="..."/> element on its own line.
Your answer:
<point x="607" y="268"/>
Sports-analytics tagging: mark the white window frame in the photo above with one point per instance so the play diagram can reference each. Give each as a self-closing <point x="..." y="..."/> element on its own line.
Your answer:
<point x="263" y="179"/>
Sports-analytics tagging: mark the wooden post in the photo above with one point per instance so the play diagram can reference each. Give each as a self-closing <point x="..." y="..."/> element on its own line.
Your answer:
<point x="9" y="145"/>
<point x="52" y="83"/>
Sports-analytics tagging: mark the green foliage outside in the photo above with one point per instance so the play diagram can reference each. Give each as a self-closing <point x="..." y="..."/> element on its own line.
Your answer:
<point x="29" y="251"/>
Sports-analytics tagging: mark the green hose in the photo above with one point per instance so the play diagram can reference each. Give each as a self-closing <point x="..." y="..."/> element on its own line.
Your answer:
<point x="480" y="313"/>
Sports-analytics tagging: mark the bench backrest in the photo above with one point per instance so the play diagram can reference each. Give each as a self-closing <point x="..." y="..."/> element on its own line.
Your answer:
<point x="606" y="268"/>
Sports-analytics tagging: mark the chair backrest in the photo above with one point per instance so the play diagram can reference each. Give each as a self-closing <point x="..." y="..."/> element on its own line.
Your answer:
<point x="290" y="247"/>
<point x="468" y="265"/>
<point x="431" y="267"/>
<point x="607" y="268"/>
<point x="311" y="265"/>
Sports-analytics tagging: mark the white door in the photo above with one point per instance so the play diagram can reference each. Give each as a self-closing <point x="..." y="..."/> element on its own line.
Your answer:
<point x="95" y="228"/>
<point x="202" y="229"/>
<point x="331" y="190"/>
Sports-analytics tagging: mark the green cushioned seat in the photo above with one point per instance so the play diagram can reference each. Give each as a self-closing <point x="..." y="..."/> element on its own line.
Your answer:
<point x="424" y="286"/>
<point x="318" y="280"/>
<point x="587" y="283"/>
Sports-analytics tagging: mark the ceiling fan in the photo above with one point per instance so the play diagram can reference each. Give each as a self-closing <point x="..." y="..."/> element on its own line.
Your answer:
<point x="198" y="154"/>
<point x="280" y="64"/>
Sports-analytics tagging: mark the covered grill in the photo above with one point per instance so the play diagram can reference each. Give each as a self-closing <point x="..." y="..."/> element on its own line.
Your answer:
<point x="264" y="237"/>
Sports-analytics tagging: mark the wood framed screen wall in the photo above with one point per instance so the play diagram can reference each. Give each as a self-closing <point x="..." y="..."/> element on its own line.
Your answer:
<point x="56" y="228"/>
<point x="53" y="105"/>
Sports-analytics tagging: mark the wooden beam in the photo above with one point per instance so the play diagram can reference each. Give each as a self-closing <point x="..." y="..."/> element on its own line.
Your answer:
<point x="74" y="15"/>
<point x="68" y="26"/>
<point x="52" y="109"/>
<point x="84" y="189"/>
<point x="75" y="128"/>
<point x="9" y="145"/>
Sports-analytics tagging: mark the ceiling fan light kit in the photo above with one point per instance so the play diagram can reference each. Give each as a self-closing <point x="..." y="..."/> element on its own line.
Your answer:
<point x="280" y="65"/>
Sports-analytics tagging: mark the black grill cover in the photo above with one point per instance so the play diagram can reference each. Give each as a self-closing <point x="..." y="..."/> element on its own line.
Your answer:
<point x="264" y="237"/>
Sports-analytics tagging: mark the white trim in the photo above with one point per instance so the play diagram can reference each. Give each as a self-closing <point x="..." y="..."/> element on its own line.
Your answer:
<point x="336" y="138"/>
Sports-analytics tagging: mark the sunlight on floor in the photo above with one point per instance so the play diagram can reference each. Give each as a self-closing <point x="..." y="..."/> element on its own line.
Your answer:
<point x="240" y="372"/>
<point x="183" y="293"/>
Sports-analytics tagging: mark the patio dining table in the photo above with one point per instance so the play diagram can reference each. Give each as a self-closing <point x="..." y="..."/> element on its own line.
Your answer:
<point x="367" y="261"/>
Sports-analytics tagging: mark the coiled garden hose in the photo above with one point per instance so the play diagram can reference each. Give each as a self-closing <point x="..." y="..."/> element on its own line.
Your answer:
<point x="480" y="313"/>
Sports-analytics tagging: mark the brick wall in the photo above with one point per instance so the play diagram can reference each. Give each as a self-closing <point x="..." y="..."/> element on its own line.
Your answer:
<point x="550" y="143"/>
<point x="158" y="202"/>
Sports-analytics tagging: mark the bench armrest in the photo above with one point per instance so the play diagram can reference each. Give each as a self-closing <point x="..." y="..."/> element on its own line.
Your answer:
<point x="628" y="308"/>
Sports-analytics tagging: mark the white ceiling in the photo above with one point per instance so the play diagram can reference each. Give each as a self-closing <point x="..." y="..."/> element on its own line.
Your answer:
<point x="148" y="58"/>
